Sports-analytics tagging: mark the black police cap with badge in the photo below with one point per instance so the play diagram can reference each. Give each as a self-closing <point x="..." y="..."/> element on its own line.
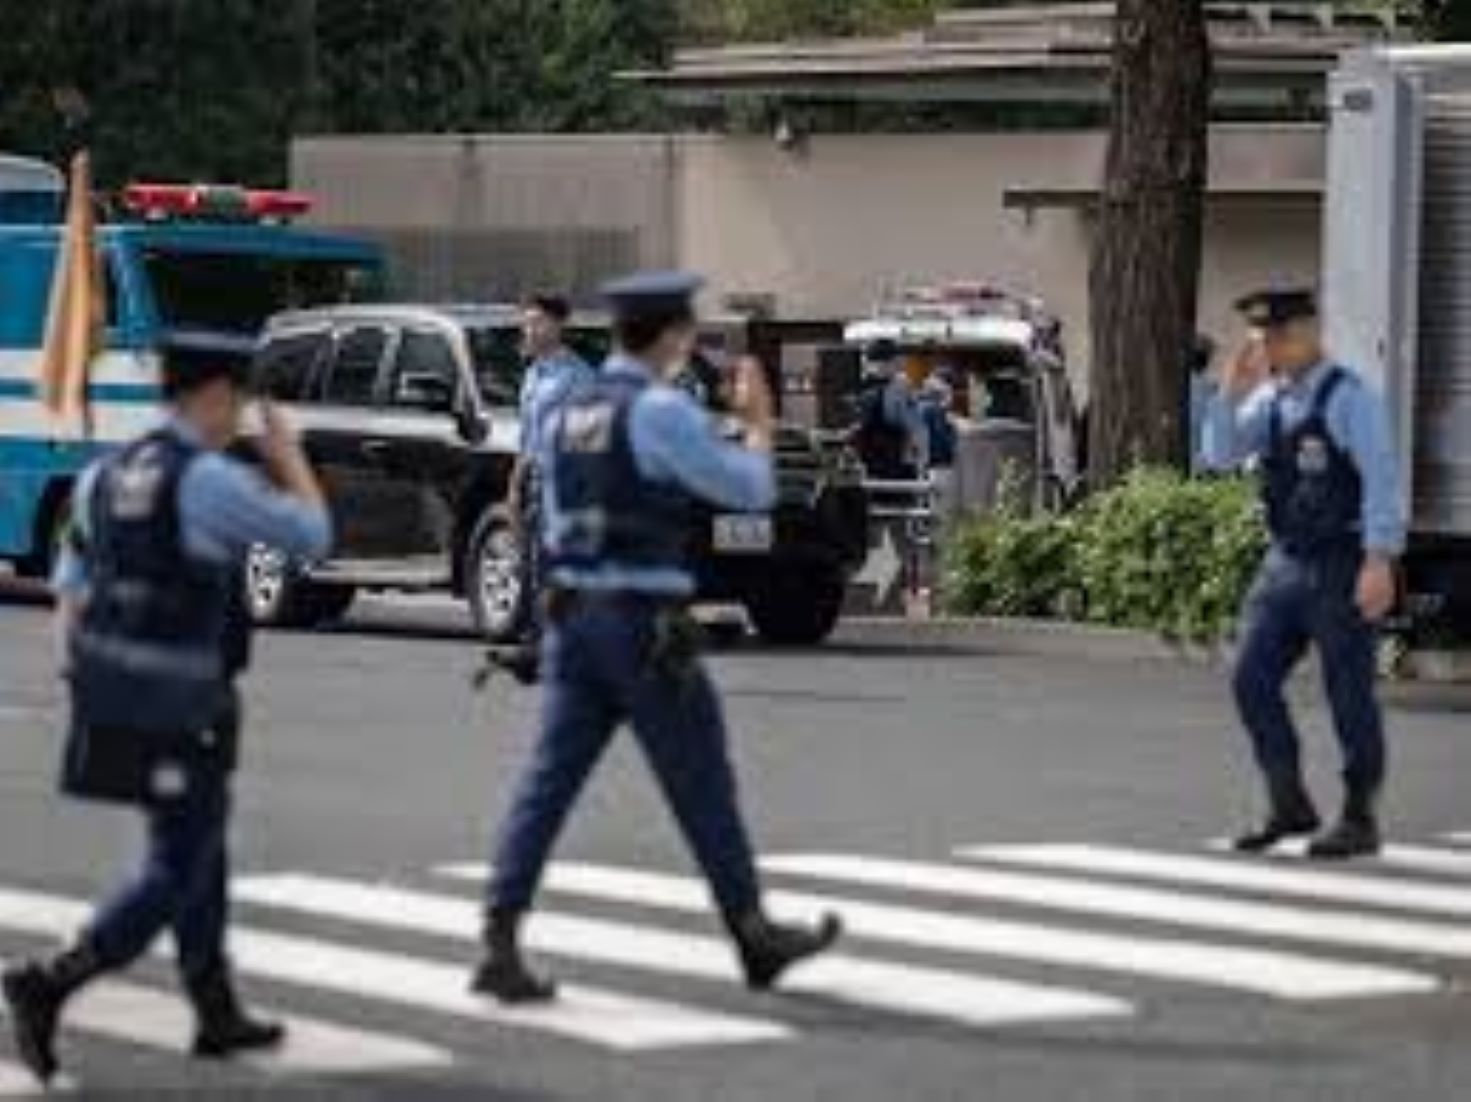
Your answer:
<point x="653" y="296"/>
<point x="1274" y="308"/>
<point x="192" y="360"/>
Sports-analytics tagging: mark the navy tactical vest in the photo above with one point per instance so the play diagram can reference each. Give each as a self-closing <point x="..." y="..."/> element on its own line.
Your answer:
<point x="1313" y="490"/>
<point x="161" y="633"/>
<point x="608" y="512"/>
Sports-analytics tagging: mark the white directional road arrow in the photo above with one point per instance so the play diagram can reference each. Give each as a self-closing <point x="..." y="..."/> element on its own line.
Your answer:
<point x="883" y="568"/>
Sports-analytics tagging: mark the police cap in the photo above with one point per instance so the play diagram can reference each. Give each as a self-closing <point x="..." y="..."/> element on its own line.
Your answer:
<point x="1274" y="308"/>
<point x="193" y="360"/>
<point x="668" y="294"/>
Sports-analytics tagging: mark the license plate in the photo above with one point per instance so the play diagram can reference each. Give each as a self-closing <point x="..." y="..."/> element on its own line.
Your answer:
<point x="743" y="535"/>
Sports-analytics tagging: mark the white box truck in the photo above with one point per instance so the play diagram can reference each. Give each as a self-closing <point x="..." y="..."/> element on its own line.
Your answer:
<point x="1397" y="290"/>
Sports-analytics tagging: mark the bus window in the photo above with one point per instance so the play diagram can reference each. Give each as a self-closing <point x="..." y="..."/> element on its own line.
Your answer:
<point x="236" y="292"/>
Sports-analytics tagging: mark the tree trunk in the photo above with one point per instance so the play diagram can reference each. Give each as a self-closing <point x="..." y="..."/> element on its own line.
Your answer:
<point x="1145" y="274"/>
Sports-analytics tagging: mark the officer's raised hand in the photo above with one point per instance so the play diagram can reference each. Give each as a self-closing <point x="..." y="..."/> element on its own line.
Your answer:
<point x="1247" y="370"/>
<point x="280" y="447"/>
<point x="752" y="403"/>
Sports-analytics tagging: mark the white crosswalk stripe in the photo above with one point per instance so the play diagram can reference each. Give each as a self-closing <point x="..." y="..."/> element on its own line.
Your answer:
<point x="608" y="1019"/>
<point x="1402" y="858"/>
<point x="1343" y="929"/>
<point x="16" y="1082"/>
<point x="927" y="992"/>
<point x="147" y="1018"/>
<point x="1266" y="972"/>
<point x="1193" y="920"/>
<point x="1254" y="876"/>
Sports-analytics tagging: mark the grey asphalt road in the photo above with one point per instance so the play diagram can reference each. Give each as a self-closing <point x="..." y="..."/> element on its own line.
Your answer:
<point x="370" y="761"/>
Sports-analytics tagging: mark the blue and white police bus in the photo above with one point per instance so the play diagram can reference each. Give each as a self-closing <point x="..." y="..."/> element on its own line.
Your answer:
<point x="210" y="262"/>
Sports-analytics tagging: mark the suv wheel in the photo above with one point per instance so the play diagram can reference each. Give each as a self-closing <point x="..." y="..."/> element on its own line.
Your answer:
<point x="495" y="580"/>
<point x="278" y="596"/>
<point x="797" y="607"/>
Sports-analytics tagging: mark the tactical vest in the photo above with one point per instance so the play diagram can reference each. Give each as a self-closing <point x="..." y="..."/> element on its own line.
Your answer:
<point x="1313" y="491"/>
<point x="161" y="633"/>
<point x="881" y="445"/>
<point x="607" y="511"/>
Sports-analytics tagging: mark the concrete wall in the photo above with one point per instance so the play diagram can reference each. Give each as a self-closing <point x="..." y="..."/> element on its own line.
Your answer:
<point x="825" y="229"/>
<point x="822" y="229"/>
<point x="482" y="216"/>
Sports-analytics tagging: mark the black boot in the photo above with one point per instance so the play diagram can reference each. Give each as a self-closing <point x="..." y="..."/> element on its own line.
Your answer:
<point x="1355" y="835"/>
<point x="521" y="660"/>
<point x="503" y="973"/>
<point x="767" y="949"/>
<point x="1291" y="815"/>
<point x="35" y="992"/>
<point x="223" y="1028"/>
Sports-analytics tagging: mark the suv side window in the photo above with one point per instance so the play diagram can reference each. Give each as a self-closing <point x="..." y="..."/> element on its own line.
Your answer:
<point x="354" y="378"/>
<point x="285" y="368"/>
<point x="424" y="353"/>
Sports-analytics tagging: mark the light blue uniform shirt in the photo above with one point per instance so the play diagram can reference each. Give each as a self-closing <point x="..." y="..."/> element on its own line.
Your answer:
<point x="674" y="441"/>
<point x="549" y="382"/>
<point x="1202" y="392"/>
<point x="225" y="507"/>
<point x="1358" y="423"/>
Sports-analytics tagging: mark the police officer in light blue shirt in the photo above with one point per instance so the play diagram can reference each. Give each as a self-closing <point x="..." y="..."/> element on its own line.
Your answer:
<point x="151" y="611"/>
<point x="626" y="463"/>
<point x="1336" y="516"/>
<point x="554" y="372"/>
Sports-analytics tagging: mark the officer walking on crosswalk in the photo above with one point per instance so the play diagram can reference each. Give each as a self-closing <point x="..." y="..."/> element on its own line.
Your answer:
<point x="152" y="614"/>
<point x="1336" y="517"/>
<point x="626" y="461"/>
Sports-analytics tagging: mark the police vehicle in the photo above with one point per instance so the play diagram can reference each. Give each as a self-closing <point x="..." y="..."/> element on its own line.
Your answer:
<point x="409" y="414"/>
<point x="214" y="262"/>
<point x="1000" y="356"/>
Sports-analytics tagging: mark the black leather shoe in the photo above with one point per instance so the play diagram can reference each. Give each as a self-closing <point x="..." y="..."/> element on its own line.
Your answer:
<point x="510" y="981"/>
<point x="35" y="1010"/>
<point x="1352" y="837"/>
<point x="504" y="974"/>
<point x="1277" y="829"/>
<point x="223" y="1028"/>
<point x="35" y="993"/>
<point x="767" y="949"/>
<point x="1292" y="815"/>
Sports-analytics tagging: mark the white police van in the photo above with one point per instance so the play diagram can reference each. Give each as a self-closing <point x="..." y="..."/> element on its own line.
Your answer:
<point x="210" y="262"/>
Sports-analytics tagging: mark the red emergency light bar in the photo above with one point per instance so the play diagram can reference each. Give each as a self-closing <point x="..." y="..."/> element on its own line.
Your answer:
<point x="213" y="202"/>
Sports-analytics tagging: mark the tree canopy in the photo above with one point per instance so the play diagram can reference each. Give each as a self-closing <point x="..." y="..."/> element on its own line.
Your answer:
<point x="195" y="89"/>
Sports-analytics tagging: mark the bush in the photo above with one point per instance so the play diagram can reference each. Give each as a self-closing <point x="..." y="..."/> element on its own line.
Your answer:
<point x="1160" y="552"/>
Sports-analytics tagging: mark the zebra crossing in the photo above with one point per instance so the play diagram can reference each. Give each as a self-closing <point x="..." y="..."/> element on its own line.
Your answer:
<point x="950" y="941"/>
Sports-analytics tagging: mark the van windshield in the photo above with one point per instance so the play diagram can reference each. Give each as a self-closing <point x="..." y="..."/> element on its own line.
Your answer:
<point x="236" y="292"/>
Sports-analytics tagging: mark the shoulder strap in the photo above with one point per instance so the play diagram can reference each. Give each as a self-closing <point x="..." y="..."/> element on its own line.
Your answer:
<point x="1336" y="378"/>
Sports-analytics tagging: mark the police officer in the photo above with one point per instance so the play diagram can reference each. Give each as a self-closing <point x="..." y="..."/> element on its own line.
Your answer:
<point x="152" y="612"/>
<point x="1337" y="523"/>
<point x="553" y="373"/>
<point x="626" y="461"/>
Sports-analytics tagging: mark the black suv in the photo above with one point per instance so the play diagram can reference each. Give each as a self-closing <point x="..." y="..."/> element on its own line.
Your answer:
<point x="408" y="414"/>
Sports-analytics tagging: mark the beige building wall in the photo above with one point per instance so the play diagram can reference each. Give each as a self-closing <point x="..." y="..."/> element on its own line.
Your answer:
<point x="823" y="229"/>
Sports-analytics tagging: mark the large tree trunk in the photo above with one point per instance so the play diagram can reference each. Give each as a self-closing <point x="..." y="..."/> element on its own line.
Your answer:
<point x="1145" y="273"/>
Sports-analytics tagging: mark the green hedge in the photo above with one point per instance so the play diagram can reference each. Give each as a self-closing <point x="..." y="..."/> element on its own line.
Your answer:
<point x="1161" y="552"/>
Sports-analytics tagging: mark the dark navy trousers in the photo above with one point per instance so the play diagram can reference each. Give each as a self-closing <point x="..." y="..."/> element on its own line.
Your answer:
<point x="1294" y="603"/>
<point x="183" y="885"/>
<point x="597" y="675"/>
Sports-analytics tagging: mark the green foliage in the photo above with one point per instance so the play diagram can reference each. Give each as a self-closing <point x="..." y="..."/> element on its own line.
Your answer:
<point x="1159" y="552"/>
<point x="214" y="89"/>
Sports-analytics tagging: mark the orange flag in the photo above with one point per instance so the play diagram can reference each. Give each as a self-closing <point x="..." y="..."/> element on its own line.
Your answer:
<point x="75" y="321"/>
